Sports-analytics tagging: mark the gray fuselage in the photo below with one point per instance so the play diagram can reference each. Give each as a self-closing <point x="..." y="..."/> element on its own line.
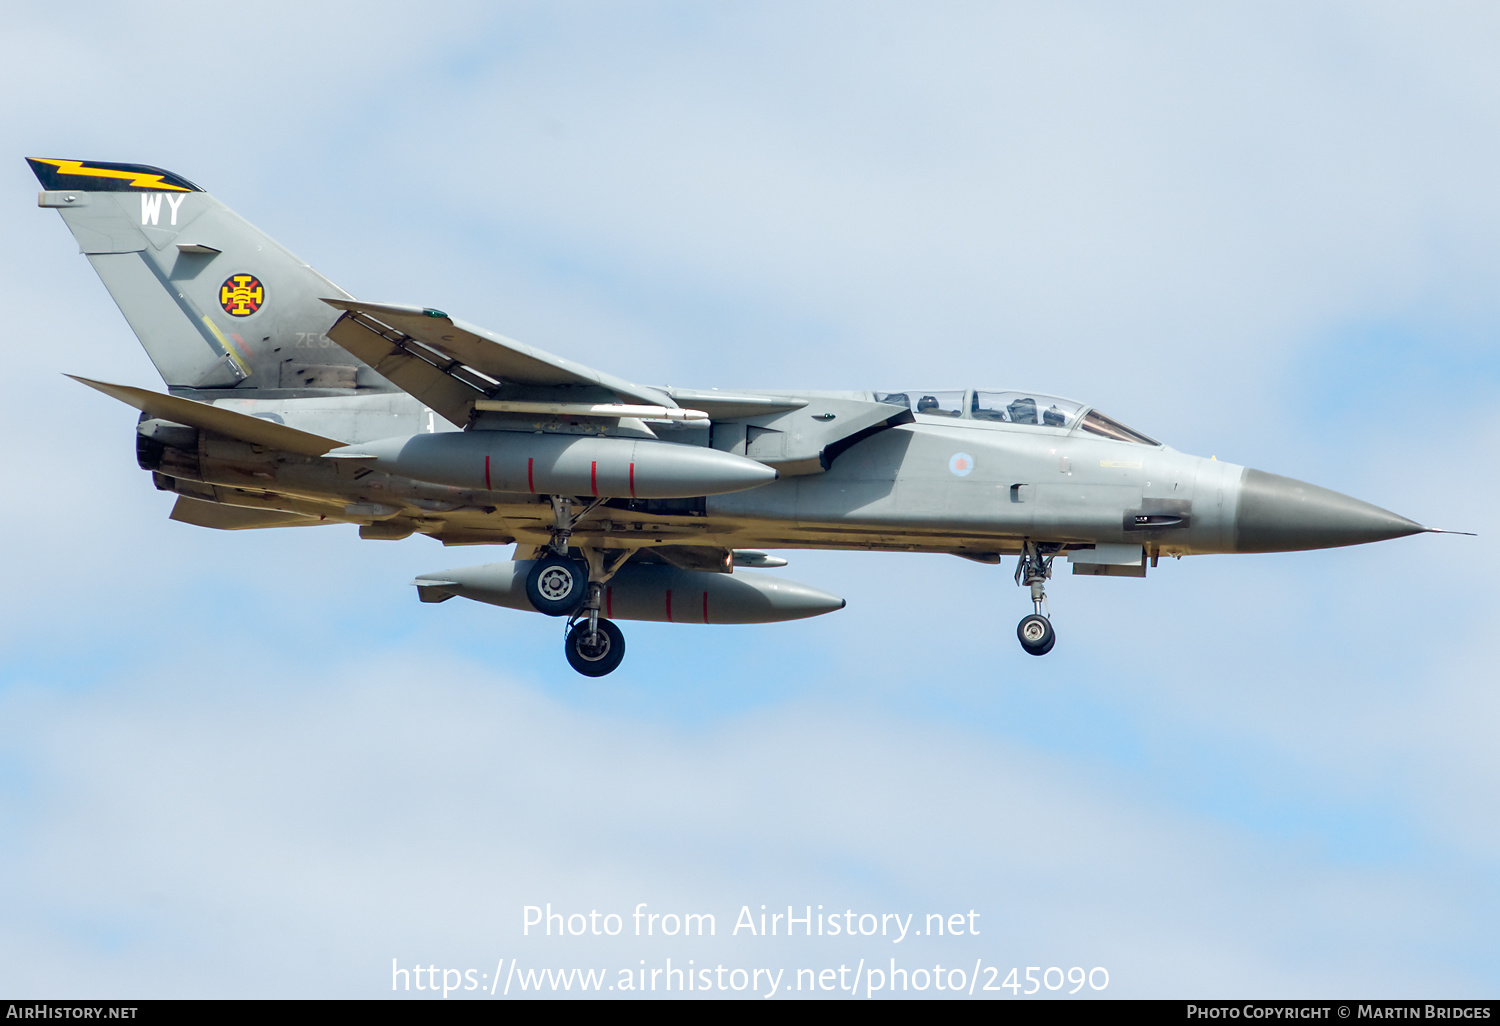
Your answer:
<point x="940" y="482"/>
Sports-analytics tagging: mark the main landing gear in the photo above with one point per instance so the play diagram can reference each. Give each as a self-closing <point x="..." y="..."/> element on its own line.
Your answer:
<point x="1033" y="569"/>
<point x="556" y="585"/>
<point x="594" y="646"/>
<point x="559" y="585"/>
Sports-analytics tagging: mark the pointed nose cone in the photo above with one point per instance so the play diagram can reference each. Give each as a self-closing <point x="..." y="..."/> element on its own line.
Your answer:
<point x="1279" y="514"/>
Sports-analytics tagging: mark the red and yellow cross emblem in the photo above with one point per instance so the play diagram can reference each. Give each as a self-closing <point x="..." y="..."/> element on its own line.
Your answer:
<point x="241" y="295"/>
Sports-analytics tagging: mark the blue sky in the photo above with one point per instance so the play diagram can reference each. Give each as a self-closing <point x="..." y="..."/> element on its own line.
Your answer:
<point x="253" y="764"/>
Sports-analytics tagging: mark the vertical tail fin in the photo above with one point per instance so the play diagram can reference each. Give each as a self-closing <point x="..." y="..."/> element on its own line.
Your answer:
<point x="216" y="303"/>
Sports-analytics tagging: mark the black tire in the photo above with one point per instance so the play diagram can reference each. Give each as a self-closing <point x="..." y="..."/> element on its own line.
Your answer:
<point x="557" y="586"/>
<point x="603" y="657"/>
<point x="1036" y="634"/>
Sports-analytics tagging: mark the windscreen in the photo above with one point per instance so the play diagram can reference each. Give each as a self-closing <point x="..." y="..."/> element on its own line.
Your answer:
<point x="1099" y="424"/>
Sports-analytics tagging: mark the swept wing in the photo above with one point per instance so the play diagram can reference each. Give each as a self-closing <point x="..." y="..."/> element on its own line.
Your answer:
<point x="450" y="365"/>
<point x="255" y="430"/>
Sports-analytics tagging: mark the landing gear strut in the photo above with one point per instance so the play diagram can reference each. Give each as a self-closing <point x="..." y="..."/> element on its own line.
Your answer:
<point x="560" y="585"/>
<point x="1033" y="569"/>
<point x="557" y="584"/>
<point x="595" y="646"/>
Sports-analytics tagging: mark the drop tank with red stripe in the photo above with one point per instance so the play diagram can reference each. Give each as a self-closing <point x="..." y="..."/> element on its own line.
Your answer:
<point x="555" y="464"/>
<point x="649" y="591"/>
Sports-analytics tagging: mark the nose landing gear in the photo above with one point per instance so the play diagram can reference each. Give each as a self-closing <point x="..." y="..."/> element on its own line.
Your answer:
<point x="1032" y="570"/>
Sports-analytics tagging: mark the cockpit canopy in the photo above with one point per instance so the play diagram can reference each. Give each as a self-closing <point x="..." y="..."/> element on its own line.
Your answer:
<point x="1026" y="408"/>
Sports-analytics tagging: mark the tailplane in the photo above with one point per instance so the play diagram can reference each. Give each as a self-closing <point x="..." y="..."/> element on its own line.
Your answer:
<point x="219" y="306"/>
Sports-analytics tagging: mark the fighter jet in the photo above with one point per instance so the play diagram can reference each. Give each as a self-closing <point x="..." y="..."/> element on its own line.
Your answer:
<point x="289" y="402"/>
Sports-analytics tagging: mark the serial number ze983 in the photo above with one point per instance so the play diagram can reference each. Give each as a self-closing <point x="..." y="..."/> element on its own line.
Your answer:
<point x="1096" y="978"/>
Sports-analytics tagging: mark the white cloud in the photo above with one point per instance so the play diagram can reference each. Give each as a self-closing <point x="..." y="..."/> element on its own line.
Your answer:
<point x="273" y="830"/>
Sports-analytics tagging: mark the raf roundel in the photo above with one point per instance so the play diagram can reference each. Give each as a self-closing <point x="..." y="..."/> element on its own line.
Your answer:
<point x="241" y="295"/>
<point x="961" y="464"/>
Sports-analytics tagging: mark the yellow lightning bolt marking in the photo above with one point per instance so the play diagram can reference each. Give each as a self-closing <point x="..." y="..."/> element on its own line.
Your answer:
<point x="137" y="179"/>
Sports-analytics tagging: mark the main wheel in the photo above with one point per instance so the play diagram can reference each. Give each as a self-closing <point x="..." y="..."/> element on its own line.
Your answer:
<point x="556" y="586"/>
<point x="1036" y="634"/>
<point x="599" y="658"/>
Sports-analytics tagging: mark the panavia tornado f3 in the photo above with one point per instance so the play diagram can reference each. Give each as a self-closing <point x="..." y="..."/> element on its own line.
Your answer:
<point x="289" y="402"/>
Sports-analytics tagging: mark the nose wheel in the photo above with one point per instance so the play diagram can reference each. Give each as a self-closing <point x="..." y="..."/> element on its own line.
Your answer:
<point x="1033" y="570"/>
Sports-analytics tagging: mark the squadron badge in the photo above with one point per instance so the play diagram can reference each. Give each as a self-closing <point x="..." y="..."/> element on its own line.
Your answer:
<point x="241" y="295"/>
